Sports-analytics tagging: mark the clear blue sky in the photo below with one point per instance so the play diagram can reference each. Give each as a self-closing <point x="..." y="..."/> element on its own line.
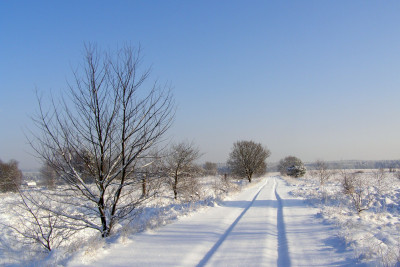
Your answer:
<point x="314" y="79"/>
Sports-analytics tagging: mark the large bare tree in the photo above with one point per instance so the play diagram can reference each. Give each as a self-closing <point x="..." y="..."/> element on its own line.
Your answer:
<point x="111" y="115"/>
<point x="248" y="158"/>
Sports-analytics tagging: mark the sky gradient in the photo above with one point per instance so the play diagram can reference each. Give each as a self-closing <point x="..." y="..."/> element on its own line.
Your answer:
<point x="314" y="79"/>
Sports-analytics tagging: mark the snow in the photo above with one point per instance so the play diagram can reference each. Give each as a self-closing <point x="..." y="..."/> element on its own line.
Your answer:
<point x="261" y="226"/>
<point x="374" y="233"/>
<point x="273" y="221"/>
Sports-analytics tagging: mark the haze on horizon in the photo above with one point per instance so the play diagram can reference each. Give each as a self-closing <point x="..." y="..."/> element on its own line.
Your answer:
<point x="314" y="79"/>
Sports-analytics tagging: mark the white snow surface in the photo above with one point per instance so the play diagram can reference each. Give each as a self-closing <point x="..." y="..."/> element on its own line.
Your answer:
<point x="263" y="225"/>
<point x="373" y="234"/>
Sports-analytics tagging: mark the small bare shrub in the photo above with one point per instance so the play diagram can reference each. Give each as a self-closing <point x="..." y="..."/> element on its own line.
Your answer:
<point x="358" y="188"/>
<point x="223" y="185"/>
<point x="190" y="189"/>
<point x="382" y="182"/>
<point x="322" y="172"/>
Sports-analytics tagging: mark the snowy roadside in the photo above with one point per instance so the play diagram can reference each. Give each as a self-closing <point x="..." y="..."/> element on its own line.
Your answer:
<point x="374" y="233"/>
<point x="157" y="212"/>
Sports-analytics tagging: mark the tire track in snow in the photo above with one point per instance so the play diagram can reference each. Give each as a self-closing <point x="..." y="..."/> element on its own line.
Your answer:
<point x="211" y="252"/>
<point x="283" y="248"/>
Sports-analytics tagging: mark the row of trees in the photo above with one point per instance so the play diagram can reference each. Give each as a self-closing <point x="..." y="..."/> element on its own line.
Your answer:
<point x="246" y="159"/>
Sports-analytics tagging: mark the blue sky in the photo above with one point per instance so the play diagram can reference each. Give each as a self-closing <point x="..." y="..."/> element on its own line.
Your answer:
<point x="314" y="79"/>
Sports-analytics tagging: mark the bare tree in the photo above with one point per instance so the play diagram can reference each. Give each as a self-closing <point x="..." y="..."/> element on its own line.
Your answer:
<point x="111" y="116"/>
<point x="180" y="167"/>
<point x="248" y="158"/>
<point x="322" y="172"/>
<point x="10" y="176"/>
<point x="48" y="176"/>
<point x="150" y="172"/>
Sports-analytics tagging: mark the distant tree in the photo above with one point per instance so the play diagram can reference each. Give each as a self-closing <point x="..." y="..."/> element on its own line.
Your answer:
<point x="96" y="136"/>
<point x="180" y="167"/>
<point x="149" y="171"/>
<point x="48" y="176"/>
<point x="322" y="171"/>
<point x="10" y="176"/>
<point x="247" y="158"/>
<point x="291" y="166"/>
<point x="210" y="168"/>
<point x="81" y="161"/>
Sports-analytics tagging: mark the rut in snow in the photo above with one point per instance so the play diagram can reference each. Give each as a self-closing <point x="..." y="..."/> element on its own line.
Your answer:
<point x="283" y="248"/>
<point x="211" y="252"/>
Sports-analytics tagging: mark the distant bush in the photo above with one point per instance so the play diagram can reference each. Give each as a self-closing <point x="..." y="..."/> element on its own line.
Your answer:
<point x="210" y="168"/>
<point x="296" y="171"/>
<point x="291" y="166"/>
<point x="10" y="176"/>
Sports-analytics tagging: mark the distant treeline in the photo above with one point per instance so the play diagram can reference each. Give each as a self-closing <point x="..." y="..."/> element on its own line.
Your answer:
<point x="350" y="164"/>
<point x="342" y="164"/>
<point x="273" y="167"/>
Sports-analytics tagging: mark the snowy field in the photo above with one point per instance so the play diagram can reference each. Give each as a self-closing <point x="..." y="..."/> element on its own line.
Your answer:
<point x="374" y="233"/>
<point x="270" y="222"/>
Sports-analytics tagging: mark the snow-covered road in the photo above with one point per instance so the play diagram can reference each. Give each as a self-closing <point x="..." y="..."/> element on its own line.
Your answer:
<point x="261" y="226"/>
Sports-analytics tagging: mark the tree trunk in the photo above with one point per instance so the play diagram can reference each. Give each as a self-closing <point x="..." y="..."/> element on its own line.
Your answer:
<point x="103" y="218"/>
<point x="175" y="187"/>
<point x="144" y="189"/>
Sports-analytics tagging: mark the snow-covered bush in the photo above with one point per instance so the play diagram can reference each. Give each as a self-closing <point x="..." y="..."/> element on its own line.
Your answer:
<point x="292" y="166"/>
<point x="296" y="171"/>
<point x="223" y="184"/>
